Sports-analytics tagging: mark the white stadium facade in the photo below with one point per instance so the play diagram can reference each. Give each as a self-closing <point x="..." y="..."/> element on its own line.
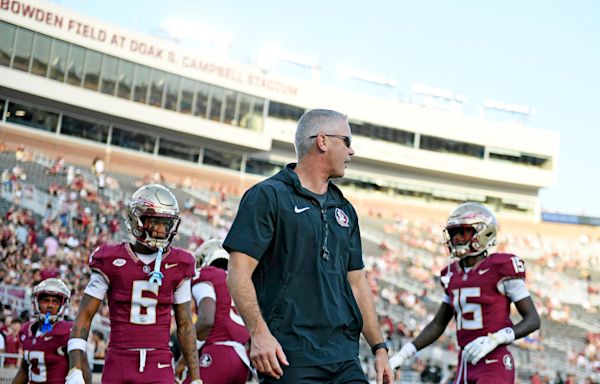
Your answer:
<point x="97" y="85"/>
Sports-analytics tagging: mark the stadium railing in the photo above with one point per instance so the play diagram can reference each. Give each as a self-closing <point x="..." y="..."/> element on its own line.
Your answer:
<point x="18" y="297"/>
<point x="32" y="198"/>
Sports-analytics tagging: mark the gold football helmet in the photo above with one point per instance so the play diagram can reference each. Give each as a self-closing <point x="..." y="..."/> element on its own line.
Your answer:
<point x="156" y="202"/>
<point x="470" y="230"/>
<point x="211" y="253"/>
<point x="51" y="287"/>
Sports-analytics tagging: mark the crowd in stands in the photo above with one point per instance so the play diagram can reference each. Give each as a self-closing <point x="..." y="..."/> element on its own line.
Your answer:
<point x="54" y="243"/>
<point x="81" y="214"/>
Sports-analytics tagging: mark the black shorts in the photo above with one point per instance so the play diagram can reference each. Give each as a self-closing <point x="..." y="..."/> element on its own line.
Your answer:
<point x="346" y="372"/>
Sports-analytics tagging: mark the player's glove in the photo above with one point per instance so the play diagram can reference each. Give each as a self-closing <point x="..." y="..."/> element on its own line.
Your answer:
<point x="481" y="346"/>
<point x="75" y="376"/>
<point x="406" y="352"/>
<point x="196" y="382"/>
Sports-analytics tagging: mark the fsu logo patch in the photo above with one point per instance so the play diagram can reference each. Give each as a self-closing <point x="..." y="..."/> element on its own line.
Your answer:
<point x="119" y="262"/>
<point x="341" y="217"/>
<point x="205" y="360"/>
<point x="508" y="363"/>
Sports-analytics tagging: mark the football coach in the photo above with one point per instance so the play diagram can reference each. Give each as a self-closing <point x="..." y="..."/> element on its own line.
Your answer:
<point x="296" y="271"/>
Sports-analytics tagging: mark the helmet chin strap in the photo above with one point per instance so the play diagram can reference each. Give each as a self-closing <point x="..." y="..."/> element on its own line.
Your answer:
<point x="47" y="325"/>
<point x="446" y="278"/>
<point x="156" y="276"/>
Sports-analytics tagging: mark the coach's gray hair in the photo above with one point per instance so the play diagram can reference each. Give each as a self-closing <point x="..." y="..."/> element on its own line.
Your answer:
<point x="311" y="123"/>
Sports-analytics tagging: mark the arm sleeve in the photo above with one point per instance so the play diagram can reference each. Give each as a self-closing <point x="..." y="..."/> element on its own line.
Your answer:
<point x="515" y="289"/>
<point x="97" y="286"/>
<point x="183" y="293"/>
<point x="254" y="225"/>
<point x="203" y="290"/>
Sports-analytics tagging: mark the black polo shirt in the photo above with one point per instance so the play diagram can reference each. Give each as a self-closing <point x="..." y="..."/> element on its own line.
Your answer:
<point x="304" y="252"/>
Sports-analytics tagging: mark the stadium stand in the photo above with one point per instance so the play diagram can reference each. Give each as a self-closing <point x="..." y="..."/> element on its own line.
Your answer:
<point x="402" y="254"/>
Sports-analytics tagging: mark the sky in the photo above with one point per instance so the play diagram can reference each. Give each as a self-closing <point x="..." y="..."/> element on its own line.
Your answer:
<point x="541" y="54"/>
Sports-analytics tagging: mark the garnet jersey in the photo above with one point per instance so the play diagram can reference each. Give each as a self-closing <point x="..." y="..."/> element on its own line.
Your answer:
<point x="45" y="354"/>
<point x="479" y="306"/>
<point x="140" y="311"/>
<point x="228" y="325"/>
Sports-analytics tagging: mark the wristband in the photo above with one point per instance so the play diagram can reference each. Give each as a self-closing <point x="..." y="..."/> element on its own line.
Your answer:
<point x="76" y="344"/>
<point x="504" y="336"/>
<point x="377" y="346"/>
<point x="410" y="349"/>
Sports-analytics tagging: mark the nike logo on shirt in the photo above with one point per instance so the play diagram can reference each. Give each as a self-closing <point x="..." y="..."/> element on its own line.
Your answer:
<point x="482" y="271"/>
<point x="299" y="210"/>
<point x="161" y="366"/>
<point x="169" y="266"/>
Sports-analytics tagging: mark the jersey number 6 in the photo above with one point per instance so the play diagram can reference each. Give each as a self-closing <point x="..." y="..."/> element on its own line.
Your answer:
<point x="138" y="302"/>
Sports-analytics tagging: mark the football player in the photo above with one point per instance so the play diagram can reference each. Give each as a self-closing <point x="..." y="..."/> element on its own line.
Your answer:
<point x="221" y="333"/>
<point x="479" y="288"/>
<point x="44" y="339"/>
<point x="143" y="282"/>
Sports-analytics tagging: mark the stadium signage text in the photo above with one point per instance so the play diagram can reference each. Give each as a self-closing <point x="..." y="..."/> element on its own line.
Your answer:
<point x="238" y="76"/>
<point x="34" y="13"/>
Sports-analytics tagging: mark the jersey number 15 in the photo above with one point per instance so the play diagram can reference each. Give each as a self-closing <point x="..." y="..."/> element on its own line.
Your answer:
<point x="463" y="307"/>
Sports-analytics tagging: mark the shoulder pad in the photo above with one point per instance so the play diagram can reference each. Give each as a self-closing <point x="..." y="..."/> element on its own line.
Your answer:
<point x="186" y="259"/>
<point x="500" y="258"/>
<point x="63" y="327"/>
<point x="445" y="277"/>
<point x="25" y="328"/>
<point x="508" y="265"/>
<point x="105" y="251"/>
<point x="212" y="273"/>
<point x="445" y="269"/>
<point x="183" y="255"/>
<point x="105" y="256"/>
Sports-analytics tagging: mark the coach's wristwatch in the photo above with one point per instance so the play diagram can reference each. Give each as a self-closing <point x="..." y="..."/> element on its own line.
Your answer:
<point x="379" y="346"/>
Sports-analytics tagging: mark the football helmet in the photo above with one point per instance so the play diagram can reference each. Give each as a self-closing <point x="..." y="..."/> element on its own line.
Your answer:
<point x="211" y="253"/>
<point x="476" y="224"/>
<point x="153" y="201"/>
<point x="51" y="287"/>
